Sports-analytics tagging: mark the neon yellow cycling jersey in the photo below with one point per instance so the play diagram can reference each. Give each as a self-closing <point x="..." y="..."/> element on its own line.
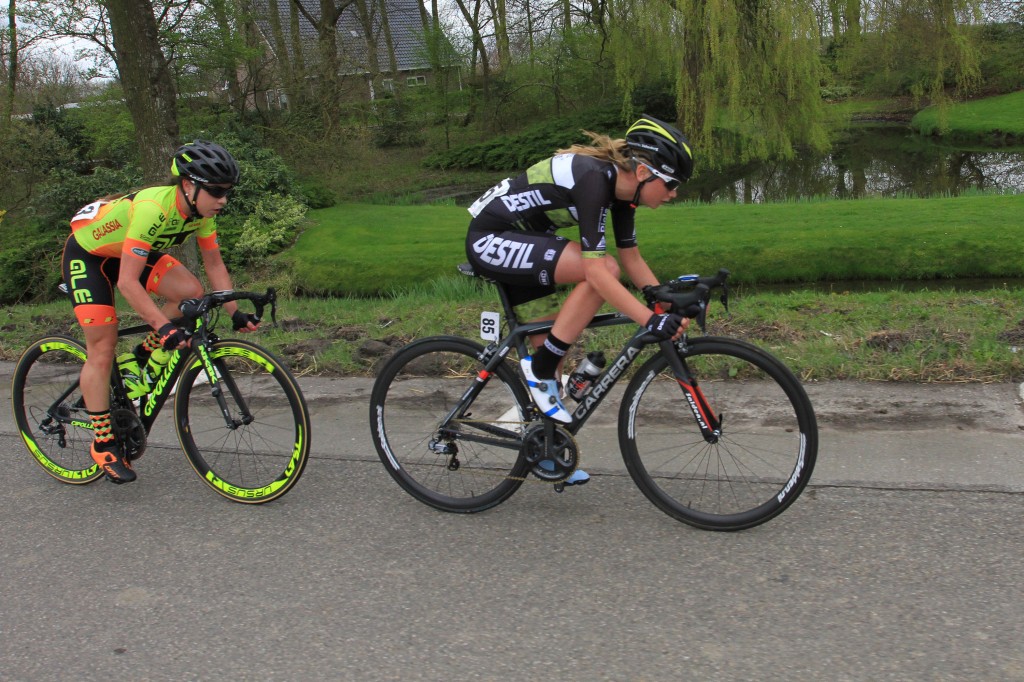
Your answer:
<point x="152" y="219"/>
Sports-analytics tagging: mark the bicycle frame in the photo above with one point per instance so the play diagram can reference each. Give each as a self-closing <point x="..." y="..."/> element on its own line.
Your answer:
<point x="708" y="422"/>
<point x="150" y="403"/>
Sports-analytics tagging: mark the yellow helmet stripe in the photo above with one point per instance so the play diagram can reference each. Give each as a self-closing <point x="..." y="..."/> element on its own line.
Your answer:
<point x="647" y="124"/>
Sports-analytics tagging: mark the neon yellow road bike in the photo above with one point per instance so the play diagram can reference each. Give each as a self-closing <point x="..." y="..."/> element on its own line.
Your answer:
<point x="239" y="413"/>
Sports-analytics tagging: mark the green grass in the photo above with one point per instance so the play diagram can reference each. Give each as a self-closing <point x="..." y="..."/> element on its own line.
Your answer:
<point x="951" y="335"/>
<point x="1000" y="117"/>
<point x="364" y="250"/>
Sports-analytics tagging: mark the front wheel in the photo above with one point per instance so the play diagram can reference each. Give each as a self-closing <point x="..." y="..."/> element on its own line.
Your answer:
<point x="50" y="411"/>
<point x="457" y="458"/>
<point x="257" y="450"/>
<point x="750" y="472"/>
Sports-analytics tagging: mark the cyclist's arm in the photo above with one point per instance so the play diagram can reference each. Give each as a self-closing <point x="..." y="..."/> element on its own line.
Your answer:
<point x="220" y="279"/>
<point x="640" y="274"/>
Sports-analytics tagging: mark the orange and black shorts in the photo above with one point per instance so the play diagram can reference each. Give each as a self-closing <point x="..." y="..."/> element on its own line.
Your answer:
<point x="91" y="280"/>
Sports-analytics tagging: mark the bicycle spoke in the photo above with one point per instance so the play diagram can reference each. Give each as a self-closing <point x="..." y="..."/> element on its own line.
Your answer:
<point x="467" y="463"/>
<point x="752" y="469"/>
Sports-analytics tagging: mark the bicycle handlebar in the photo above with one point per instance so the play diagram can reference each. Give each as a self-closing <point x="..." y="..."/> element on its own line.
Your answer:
<point x="688" y="295"/>
<point x="194" y="308"/>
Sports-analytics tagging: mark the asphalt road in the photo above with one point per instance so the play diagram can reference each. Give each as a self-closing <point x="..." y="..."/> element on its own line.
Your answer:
<point x="901" y="561"/>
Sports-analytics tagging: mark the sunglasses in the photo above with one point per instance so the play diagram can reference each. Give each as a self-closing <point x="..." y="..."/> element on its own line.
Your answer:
<point x="670" y="182"/>
<point x="217" y="192"/>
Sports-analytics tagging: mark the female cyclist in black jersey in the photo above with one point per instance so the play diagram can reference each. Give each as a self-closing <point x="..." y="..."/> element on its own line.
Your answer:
<point x="512" y="239"/>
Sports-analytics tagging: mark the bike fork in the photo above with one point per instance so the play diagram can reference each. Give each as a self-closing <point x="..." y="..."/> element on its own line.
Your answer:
<point x="710" y="423"/>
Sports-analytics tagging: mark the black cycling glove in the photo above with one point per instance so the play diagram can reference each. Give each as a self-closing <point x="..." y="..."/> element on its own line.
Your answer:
<point x="664" y="326"/>
<point x="240" y="320"/>
<point x="172" y="336"/>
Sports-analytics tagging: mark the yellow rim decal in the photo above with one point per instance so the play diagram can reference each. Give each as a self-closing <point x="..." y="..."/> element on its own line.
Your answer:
<point x="57" y="470"/>
<point x="256" y="493"/>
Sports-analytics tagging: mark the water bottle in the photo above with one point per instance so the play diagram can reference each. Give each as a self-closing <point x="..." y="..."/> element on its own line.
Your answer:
<point x="131" y="375"/>
<point x="155" y="367"/>
<point x="581" y="379"/>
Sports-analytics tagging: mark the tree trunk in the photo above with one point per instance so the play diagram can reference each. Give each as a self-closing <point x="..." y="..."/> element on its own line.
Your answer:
<point x="364" y="11"/>
<point x="12" y="62"/>
<point x="147" y="82"/>
<point x="225" y="21"/>
<point x="389" y="42"/>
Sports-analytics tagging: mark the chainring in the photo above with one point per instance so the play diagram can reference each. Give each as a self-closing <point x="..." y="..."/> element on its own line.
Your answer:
<point x="129" y="431"/>
<point x="563" y="458"/>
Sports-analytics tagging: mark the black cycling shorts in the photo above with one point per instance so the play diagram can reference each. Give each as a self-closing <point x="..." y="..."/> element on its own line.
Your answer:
<point x="524" y="260"/>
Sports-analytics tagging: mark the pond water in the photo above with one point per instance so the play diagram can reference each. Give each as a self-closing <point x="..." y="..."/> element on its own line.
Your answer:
<point x="867" y="161"/>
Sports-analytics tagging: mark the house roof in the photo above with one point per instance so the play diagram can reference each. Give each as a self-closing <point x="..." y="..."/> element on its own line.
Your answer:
<point x="403" y="21"/>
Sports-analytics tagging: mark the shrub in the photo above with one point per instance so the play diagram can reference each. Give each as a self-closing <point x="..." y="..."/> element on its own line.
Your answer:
<point x="271" y="227"/>
<point x="515" y="152"/>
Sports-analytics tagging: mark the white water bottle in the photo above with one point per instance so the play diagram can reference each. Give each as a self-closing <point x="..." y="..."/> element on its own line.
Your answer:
<point x="582" y="379"/>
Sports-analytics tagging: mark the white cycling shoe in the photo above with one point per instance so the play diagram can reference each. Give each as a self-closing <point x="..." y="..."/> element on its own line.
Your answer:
<point x="578" y="477"/>
<point x="545" y="393"/>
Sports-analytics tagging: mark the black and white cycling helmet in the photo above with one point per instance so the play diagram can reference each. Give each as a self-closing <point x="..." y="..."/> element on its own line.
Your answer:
<point x="205" y="162"/>
<point x="661" y="146"/>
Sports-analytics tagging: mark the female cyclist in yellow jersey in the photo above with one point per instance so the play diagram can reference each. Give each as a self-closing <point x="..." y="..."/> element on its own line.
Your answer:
<point x="119" y="242"/>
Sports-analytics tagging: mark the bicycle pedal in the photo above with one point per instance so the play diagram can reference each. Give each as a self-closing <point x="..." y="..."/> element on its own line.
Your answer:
<point x="559" y="487"/>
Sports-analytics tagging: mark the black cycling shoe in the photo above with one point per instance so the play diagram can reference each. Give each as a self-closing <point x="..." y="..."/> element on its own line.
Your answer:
<point x="118" y="469"/>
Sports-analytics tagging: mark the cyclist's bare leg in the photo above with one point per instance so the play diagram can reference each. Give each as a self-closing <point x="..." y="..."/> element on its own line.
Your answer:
<point x="100" y="344"/>
<point x="177" y="285"/>
<point x="584" y="301"/>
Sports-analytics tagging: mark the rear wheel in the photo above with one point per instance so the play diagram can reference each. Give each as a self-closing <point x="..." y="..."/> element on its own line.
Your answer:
<point x="50" y="411"/>
<point x="462" y="462"/>
<point x="753" y="470"/>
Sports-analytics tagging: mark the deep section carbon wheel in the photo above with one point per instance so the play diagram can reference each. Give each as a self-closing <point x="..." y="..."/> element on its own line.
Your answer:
<point x="252" y="446"/>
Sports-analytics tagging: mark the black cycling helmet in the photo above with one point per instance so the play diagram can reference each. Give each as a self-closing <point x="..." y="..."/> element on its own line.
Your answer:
<point x="205" y="162"/>
<point x="661" y="146"/>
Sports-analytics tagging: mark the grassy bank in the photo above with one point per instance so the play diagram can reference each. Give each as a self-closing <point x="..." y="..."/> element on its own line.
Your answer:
<point x="410" y="253"/>
<point x="951" y="335"/>
<point x="366" y="250"/>
<point x="993" y="119"/>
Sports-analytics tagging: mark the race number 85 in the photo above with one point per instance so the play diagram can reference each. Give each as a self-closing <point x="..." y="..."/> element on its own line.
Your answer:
<point x="489" y="325"/>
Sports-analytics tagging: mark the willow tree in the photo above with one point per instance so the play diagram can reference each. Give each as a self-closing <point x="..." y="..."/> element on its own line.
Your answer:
<point x="747" y="73"/>
<point x="926" y="46"/>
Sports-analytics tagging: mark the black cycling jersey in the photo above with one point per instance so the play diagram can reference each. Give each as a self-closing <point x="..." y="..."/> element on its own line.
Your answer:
<point x="565" y="190"/>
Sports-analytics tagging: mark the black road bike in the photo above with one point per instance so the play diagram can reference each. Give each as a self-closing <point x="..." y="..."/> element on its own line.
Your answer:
<point x="716" y="432"/>
<point x="238" y="412"/>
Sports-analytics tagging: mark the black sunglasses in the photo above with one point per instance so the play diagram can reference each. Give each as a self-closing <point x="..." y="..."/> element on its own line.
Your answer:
<point x="217" y="192"/>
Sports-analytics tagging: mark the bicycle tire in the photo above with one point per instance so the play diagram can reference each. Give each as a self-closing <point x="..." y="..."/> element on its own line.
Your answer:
<point x="260" y="458"/>
<point x="761" y="462"/>
<point x="414" y="391"/>
<point x="60" y="442"/>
